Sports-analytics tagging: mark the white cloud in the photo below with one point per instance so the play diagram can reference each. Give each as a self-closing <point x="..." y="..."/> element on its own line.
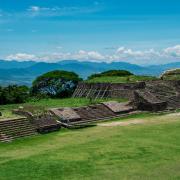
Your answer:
<point x="21" y="57"/>
<point x="88" y="55"/>
<point x="173" y="51"/>
<point x="34" y="9"/>
<point x="123" y="52"/>
<point x="149" y="56"/>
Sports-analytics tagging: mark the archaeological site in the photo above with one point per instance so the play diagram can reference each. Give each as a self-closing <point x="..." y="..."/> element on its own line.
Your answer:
<point x="154" y="96"/>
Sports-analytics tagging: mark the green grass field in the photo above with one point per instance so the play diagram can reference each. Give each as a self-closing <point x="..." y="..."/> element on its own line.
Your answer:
<point x="144" y="151"/>
<point x="117" y="79"/>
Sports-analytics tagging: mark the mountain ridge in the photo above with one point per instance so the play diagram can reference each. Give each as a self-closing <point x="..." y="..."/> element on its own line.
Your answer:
<point x="14" y="72"/>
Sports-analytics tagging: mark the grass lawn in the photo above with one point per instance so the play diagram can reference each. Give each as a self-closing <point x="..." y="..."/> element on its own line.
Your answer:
<point x="117" y="79"/>
<point x="51" y="103"/>
<point x="145" y="151"/>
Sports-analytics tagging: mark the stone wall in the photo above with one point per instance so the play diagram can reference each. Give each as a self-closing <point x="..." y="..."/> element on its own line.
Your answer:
<point x="163" y="89"/>
<point x="107" y="90"/>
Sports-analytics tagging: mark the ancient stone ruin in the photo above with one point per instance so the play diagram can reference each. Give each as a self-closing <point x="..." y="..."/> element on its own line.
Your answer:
<point x="83" y="115"/>
<point x="16" y="128"/>
<point x="160" y="95"/>
<point x="145" y="96"/>
<point x="107" y="90"/>
<point x="151" y="95"/>
<point x="27" y="126"/>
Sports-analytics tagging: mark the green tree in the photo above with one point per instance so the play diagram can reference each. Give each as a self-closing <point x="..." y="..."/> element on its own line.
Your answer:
<point x="13" y="94"/>
<point x="56" y="84"/>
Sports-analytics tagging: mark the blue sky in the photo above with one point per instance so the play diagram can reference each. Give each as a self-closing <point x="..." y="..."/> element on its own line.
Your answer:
<point x="136" y="31"/>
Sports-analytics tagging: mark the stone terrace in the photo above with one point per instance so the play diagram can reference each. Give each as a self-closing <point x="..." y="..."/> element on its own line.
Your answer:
<point x="16" y="128"/>
<point x="86" y="114"/>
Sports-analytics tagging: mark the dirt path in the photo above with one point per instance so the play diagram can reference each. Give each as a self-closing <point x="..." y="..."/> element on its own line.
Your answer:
<point x="124" y="123"/>
<point x="164" y="118"/>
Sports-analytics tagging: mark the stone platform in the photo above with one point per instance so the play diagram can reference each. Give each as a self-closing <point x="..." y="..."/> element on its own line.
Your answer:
<point x="118" y="107"/>
<point x="86" y="114"/>
<point x="65" y="113"/>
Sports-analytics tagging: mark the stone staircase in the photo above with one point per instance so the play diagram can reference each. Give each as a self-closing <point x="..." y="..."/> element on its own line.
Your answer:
<point x="44" y="122"/>
<point x="5" y="138"/>
<point x="16" y="128"/>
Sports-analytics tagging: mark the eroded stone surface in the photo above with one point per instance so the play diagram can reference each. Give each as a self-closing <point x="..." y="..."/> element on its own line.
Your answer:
<point x="145" y="100"/>
<point x="66" y="113"/>
<point x="118" y="107"/>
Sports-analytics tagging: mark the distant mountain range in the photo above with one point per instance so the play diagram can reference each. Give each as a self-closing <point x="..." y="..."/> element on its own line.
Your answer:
<point x="13" y="72"/>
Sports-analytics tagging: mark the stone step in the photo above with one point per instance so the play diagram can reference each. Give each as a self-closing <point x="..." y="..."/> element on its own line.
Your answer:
<point x="5" y="138"/>
<point x="16" y="128"/>
<point x="10" y="133"/>
<point x="17" y="125"/>
<point x="14" y="124"/>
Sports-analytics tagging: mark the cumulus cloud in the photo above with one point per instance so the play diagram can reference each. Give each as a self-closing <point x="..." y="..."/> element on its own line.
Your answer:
<point x="88" y="55"/>
<point x="21" y="57"/>
<point x="173" y="51"/>
<point x="123" y="52"/>
<point x="120" y="54"/>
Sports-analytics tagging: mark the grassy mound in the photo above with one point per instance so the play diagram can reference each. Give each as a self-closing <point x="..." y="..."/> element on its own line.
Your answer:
<point x="120" y="79"/>
<point x="120" y="73"/>
<point x="171" y="75"/>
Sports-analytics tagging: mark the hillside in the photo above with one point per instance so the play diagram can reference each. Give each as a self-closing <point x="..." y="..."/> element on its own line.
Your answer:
<point x="13" y="72"/>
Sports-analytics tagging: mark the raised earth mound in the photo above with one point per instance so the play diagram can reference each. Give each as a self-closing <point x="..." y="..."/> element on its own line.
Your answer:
<point x="171" y="74"/>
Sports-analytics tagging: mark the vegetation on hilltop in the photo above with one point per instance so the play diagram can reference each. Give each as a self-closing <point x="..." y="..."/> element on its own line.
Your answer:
<point x="117" y="76"/>
<point x="123" y="79"/>
<point x="120" y="73"/>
